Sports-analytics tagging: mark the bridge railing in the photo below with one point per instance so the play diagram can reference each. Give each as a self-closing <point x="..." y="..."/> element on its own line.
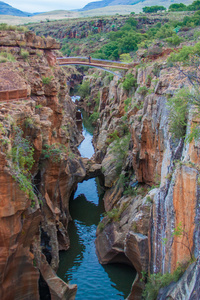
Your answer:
<point x="94" y="61"/>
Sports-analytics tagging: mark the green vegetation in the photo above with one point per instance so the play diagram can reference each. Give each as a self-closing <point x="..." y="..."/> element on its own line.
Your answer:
<point x="143" y="90"/>
<point x="84" y="89"/>
<point x="127" y="103"/>
<point x="157" y="281"/>
<point x="112" y="137"/>
<point x="174" y="40"/>
<point x="113" y="215"/>
<point x="29" y="122"/>
<point x="6" y="27"/>
<point x="24" y="53"/>
<point x="179" y="231"/>
<point x="179" y="104"/>
<point x="153" y="9"/>
<point x="54" y="152"/>
<point x="125" y="57"/>
<point x="177" y="7"/>
<point x="94" y="117"/>
<point x="178" y="111"/>
<point x="46" y="80"/>
<point x="6" y="56"/>
<point x="129" y="82"/>
<point x="39" y="106"/>
<point x="120" y="148"/>
<point x="21" y="162"/>
<point x="184" y="55"/>
<point x="182" y="7"/>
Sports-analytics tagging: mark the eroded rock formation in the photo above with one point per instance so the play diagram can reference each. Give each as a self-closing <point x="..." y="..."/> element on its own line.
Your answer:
<point x="140" y="229"/>
<point x="34" y="228"/>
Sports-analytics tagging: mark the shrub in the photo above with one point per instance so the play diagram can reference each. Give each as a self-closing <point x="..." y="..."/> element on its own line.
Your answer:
<point x="185" y="53"/>
<point x="101" y="226"/>
<point x="157" y="281"/>
<point x="46" y="80"/>
<point x="84" y="89"/>
<point x="112" y="137"/>
<point x="6" y="27"/>
<point x="120" y="148"/>
<point x="24" y="53"/>
<point x="5" y="56"/>
<point x="113" y="215"/>
<point x="143" y="90"/>
<point x="20" y="160"/>
<point x="175" y="40"/>
<point x="94" y="117"/>
<point x="129" y="82"/>
<point x="153" y="9"/>
<point x="127" y="103"/>
<point x="54" y="152"/>
<point x="178" y="110"/>
<point x="125" y="57"/>
<point x="177" y="7"/>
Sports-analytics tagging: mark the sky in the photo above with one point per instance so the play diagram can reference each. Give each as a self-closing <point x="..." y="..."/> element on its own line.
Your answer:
<point x="46" y="5"/>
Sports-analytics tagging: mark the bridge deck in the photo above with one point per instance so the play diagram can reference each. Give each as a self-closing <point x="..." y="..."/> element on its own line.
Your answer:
<point x="94" y="63"/>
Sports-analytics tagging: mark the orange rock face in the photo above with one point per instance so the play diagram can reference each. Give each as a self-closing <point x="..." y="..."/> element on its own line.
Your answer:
<point x="44" y="120"/>
<point x="18" y="225"/>
<point x="184" y="201"/>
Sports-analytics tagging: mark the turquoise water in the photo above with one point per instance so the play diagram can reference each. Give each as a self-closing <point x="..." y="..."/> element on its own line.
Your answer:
<point x="80" y="263"/>
<point x="86" y="148"/>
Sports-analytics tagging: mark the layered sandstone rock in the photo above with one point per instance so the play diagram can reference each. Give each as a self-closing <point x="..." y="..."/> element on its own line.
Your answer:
<point x="148" y="241"/>
<point x="47" y="120"/>
<point x="27" y="39"/>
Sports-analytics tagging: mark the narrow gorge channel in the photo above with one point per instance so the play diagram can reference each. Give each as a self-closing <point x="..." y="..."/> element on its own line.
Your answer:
<point x="80" y="264"/>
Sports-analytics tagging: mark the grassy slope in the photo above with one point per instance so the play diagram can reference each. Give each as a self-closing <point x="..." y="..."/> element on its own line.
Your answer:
<point x="109" y="10"/>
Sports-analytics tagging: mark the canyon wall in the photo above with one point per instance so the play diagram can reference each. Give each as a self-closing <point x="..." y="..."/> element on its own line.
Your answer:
<point x="155" y="191"/>
<point x="151" y="180"/>
<point x="42" y="128"/>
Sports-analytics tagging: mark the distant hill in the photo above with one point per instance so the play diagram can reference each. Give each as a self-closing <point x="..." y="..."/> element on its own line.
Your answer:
<point x="135" y="3"/>
<point x="6" y="9"/>
<point x="104" y="3"/>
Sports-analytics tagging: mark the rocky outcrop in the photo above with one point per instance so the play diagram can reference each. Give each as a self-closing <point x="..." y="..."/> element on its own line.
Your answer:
<point x="27" y="39"/>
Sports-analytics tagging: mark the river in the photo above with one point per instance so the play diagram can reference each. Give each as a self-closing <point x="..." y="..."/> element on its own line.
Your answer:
<point x="80" y="263"/>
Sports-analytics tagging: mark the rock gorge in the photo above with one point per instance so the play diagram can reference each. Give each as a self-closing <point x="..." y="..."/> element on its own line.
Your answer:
<point x="133" y="149"/>
<point x="34" y="230"/>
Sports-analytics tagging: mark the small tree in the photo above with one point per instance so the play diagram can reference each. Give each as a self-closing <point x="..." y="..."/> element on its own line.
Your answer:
<point x="178" y="232"/>
<point x="84" y="89"/>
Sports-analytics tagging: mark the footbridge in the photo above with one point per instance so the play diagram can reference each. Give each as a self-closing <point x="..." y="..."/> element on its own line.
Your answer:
<point x="93" y="62"/>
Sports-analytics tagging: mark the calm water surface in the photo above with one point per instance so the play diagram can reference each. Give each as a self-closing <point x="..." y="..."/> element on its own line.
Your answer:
<point x="80" y="264"/>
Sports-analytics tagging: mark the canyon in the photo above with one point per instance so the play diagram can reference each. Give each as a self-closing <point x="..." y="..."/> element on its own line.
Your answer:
<point x="151" y="181"/>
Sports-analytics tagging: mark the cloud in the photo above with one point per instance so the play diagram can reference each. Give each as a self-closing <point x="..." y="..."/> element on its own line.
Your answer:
<point x="46" y="5"/>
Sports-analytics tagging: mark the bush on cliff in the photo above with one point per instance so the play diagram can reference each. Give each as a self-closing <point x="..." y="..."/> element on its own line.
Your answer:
<point x="157" y="281"/>
<point x="84" y="89"/>
<point x="178" y="111"/>
<point x="21" y="161"/>
<point x="129" y="82"/>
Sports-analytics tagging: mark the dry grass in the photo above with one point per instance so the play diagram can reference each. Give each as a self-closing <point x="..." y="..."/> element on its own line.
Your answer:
<point x="105" y="11"/>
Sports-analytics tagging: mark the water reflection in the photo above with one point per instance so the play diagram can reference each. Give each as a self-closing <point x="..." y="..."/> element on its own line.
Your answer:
<point x="86" y="148"/>
<point x="80" y="264"/>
